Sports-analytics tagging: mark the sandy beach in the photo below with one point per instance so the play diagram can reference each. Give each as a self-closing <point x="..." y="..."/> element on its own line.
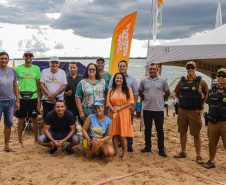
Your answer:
<point x="34" y="165"/>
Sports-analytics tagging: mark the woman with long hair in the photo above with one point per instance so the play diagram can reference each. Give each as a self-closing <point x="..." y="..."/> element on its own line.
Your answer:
<point x="97" y="131"/>
<point x="89" y="90"/>
<point x="119" y="99"/>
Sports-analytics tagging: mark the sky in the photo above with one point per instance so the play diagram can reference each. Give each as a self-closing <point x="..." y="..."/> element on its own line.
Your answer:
<point x="77" y="28"/>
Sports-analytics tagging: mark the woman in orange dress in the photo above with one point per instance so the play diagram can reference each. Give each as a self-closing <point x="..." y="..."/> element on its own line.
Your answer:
<point x="119" y="99"/>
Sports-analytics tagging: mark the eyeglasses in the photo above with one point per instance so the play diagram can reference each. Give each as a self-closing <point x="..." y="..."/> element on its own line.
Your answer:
<point x="223" y="76"/>
<point x="190" y="68"/>
<point x="92" y="69"/>
<point x="28" y="56"/>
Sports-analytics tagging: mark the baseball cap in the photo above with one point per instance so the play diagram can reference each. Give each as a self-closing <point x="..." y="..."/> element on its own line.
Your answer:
<point x="221" y="70"/>
<point x="28" y="52"/>
<point x="191" y="63"/>
<point x="54" y="59"/>
<point x="98" y="104"/>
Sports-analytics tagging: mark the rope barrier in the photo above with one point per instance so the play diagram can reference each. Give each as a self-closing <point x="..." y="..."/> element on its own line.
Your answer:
<point x="118" y="178"/>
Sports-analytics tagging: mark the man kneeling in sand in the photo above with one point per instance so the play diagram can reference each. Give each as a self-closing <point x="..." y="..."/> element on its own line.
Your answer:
<point x="59" y="128"/>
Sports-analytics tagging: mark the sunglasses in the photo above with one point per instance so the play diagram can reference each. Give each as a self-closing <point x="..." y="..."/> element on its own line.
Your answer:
<point x="92" y="69"/>
<point x="190" y="68"/>
<point x="28" y="56"/>
<point x="54" y="62"/>
<point x="223" y="76"/>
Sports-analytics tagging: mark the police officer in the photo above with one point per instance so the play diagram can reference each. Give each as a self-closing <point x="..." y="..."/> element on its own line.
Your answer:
<point x="190" y="91"/>
<point x="216" y="98"/>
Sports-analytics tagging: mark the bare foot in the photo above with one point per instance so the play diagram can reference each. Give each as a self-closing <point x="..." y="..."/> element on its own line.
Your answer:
<point x="20" y="145"/>
<point x="87" y="160"/>
<point x="117" y="155"/>
<point x="123" y="157"/>
<point x="36" y="143"/>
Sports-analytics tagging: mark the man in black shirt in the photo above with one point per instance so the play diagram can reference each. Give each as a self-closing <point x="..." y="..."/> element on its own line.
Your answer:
<point x="59" y="128"/>
<point x="69" y="94"/>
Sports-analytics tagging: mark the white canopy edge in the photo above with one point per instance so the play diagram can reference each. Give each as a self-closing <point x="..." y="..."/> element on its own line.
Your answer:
<point x="208" y="50"/>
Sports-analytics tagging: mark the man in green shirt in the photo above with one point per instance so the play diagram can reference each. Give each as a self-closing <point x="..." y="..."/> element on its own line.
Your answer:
<point x="30" y="95"/>
<point x="104" y="74"/>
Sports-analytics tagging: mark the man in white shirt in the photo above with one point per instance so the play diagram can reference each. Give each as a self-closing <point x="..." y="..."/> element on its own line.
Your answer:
<point x="53" y="83"/>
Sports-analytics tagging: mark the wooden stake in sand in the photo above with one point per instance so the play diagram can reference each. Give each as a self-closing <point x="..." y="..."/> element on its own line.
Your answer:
<point x="118" y="178"/>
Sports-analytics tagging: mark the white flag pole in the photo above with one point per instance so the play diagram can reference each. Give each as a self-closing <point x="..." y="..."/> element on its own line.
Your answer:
<point x="150" y="24"/>
<point x="219" y="21"/>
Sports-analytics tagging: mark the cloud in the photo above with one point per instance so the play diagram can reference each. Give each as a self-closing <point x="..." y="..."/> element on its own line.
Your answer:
<point x="98" y="18"/>
<point x="59" y="46"/>
<point x="33" y="44"/>
<point x="1" y="44"/>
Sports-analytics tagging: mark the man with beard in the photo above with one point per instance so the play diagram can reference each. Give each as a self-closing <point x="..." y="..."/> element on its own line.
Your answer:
<point x="30" y="96"/>
<point x="59" y="129"/>
<point x="105" y="75"/>
<point x="191" y="91"/>
<point x="69" y="94"/>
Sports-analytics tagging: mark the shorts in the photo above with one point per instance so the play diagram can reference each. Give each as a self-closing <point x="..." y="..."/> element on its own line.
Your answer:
<point x="85" y="143"/>
<point x="58" y="136"/>
<point x="7" y="107"/>
<point x="47" y="107"/>
<point x="215" y="131"/>
<point x="28" y="108"/>
<point x="191" y="118"/>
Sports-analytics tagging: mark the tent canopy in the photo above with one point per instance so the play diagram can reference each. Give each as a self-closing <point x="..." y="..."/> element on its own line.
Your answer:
<point x="208" y="50"/>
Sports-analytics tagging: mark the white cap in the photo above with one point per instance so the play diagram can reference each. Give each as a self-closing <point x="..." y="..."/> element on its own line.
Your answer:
<point x="28" y="52"/>
<point x="54" y="59"/>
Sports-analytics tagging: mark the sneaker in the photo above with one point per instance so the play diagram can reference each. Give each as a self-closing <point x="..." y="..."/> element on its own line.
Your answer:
<point x="180" y="155"/>
<point x="146" y="149"/>
<point x="52" y="151"/>
<point x="199" y="160"/>
<point x="162" y="153"/>
<point x="130" y="149"/>
<point x="209" y="165"/>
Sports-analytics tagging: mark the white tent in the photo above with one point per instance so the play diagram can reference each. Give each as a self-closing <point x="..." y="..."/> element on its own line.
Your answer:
<point x="208" y="50"/>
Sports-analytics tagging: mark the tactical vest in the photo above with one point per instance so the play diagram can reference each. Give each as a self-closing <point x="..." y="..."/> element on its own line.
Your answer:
<point x="189" y="97"/>
<point x="217" y="105"/>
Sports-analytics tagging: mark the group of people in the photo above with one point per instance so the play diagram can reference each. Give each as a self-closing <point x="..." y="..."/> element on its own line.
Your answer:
<point x="105" y="105"/>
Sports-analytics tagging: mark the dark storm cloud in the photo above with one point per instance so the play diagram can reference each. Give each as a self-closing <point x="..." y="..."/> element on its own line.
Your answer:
<point x="98" y="18"/>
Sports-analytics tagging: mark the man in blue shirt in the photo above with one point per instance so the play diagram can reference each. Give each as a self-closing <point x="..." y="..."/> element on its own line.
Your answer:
<point x="131" y="82"/>
<point x="59" y="129"/>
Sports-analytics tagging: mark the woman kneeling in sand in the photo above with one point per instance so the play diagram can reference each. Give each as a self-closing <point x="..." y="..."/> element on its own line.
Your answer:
<point x="97" y="131"/>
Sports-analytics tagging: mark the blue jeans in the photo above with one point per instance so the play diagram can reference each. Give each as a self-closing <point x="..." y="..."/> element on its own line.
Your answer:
<point x="130" y="139"/>
<point x="7" y="106"/>
<point x="58" y="136"/>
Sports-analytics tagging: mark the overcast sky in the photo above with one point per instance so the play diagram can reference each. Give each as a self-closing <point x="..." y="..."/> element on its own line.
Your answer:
<point x="85" y="27"/>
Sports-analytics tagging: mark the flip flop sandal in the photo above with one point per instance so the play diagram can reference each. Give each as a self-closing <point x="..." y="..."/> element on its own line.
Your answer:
<point x="10" y="150"/>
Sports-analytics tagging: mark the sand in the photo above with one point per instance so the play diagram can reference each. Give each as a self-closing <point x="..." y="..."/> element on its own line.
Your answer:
<point x="34" y="165"/>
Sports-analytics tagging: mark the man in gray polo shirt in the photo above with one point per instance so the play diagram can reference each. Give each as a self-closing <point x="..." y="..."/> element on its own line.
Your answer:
<point x="154" y="90"/>
<point x="8" y="87"/>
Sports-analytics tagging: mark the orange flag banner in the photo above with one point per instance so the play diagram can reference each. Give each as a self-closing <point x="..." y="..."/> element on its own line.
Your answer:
<point x="121" y="42"/>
